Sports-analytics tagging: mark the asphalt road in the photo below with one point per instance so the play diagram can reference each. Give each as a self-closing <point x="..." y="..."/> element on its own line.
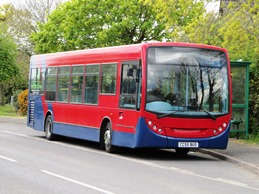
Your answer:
<point x="31" y="164"/>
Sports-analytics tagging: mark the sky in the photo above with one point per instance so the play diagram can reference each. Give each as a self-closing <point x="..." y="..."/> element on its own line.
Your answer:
<point x="214" y="6"/>
<point x="210" y="7"/>
<point x="5" y="1"/>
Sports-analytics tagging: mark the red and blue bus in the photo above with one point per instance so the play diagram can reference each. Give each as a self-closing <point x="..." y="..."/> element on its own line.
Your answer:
<point x="148" y="95"/>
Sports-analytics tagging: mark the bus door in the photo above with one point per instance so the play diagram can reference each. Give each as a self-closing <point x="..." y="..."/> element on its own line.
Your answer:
<point x="130" y="92"/>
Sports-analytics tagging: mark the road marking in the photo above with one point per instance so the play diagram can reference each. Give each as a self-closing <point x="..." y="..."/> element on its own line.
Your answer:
<point x="143" y="162"/>
<point x="76" y="182"/>
<point x="17" y="134"/>
<point x="9" y="159"/>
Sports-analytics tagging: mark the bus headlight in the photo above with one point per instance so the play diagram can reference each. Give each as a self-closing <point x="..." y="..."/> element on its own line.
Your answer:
<point x="220" y="129"/>
<point x="155" y="127"/>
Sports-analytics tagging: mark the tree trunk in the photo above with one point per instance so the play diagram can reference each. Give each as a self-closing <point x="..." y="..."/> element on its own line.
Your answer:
<point x="1" y="94"/>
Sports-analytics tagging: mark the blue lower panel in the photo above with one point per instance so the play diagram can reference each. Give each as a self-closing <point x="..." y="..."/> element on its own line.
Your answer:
<point x="144" y="137"/>
<point x="123" y="139"/>
<point x="80" y="132"/>
<point x="217" y="142"/>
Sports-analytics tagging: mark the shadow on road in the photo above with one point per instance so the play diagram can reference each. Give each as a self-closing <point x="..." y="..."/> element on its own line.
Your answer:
<point x="139" y="153"/>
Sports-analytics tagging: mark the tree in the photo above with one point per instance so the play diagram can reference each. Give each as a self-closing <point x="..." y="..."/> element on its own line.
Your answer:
<point x="22" y="18"/>
<point x="236" y="29"/>
<point x="80" y="24"/>
<point x="241" y="37"/>
<point x="19" y="20"/>
<point x="8" y="68"/>
<point x="177" y="14"/>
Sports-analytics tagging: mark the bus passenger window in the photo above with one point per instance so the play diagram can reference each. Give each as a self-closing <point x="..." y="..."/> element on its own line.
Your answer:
<point x="51" y="78"/>
<point x="63" y="83"/>
<point x="108" y="83"/>
<point x="37" y="80"/>
<point x="92" y="84"/>
<point x="76" y="84"/>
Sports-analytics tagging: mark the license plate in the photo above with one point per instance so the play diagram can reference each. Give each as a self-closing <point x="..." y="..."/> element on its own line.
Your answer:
<point x="188" y="144"/>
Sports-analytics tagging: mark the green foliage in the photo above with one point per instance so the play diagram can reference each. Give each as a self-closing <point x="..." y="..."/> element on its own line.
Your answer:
<point x="15" y="100"/>
<point x="177" y="14"/>
<point x="241" y="37"/>
<point x="8" y="68"/>
<point x="14" y="64"/>
<point x="254" y="138"/>
<point x="236" y="29"/>
<point x="254" y="99"/>
<point x="80" y="24"/>
<point x="7" y="111"/>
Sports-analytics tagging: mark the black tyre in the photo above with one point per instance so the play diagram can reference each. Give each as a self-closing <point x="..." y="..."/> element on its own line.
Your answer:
<point x="49" y="128"/>
<point x="182" y="151"/>
<point x="107" y="139"/>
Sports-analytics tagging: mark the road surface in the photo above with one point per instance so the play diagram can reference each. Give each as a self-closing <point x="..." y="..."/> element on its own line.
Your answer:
<point x="31" y="164"/>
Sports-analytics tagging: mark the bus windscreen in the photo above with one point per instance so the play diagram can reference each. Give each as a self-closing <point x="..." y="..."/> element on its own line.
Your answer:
<point x="187" y="81"/>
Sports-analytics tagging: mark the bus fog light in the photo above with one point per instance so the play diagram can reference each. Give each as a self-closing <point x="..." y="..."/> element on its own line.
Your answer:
<point x="215" y="131"/>
<point x="155" y="127"/>
<point x="149" y="123"/>
<point x="224" y="125"/>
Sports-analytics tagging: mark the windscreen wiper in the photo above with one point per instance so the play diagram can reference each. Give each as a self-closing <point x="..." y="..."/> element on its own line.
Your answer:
<point x="208" y="113"/>
<point x="169" y="114"/>
<point x="172" y="113"/>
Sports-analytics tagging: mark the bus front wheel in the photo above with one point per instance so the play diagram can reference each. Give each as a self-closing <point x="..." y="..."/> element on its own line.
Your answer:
<point x="49" y="128"/>
<point x="107" y="139"/>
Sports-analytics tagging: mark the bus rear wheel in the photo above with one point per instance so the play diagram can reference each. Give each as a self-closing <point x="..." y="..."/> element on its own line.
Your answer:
<point x="49" y="128"/>
<point x="107" y="139"/>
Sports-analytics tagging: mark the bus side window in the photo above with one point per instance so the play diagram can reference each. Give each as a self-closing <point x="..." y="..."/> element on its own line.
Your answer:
<point x="63" y="83"/>
<point x="51" y="78"/>
<point x="92" y="84"/>
<point x="37" y="77"/>
<point x="76" y="84"/>
<point x="128" y="84"/>
<point x="108" y="83"/>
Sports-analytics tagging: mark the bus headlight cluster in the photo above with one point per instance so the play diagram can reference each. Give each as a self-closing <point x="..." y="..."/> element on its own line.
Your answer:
<point x="154" y="126"/>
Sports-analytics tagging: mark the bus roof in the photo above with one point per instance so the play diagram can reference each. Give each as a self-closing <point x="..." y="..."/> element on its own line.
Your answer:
<point x="105" y="54"/>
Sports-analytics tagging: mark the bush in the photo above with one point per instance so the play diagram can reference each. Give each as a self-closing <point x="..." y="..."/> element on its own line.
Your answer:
<point x="23" y="102"/>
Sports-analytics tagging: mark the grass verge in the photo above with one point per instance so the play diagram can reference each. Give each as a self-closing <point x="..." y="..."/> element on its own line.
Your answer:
<point x="8" y="111"/>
